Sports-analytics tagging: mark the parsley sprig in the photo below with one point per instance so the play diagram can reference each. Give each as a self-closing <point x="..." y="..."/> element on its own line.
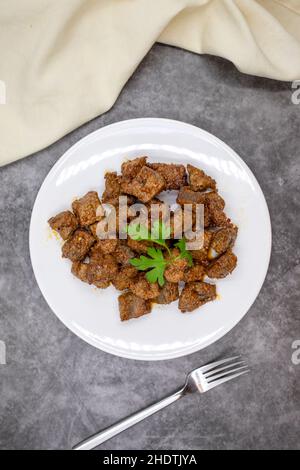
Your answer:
<point x="158" y="234"/>
<point x="155" y="264"/>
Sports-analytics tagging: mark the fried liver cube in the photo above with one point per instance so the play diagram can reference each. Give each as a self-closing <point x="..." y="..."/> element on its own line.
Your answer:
<point x="213" y="205"/>
<point x="96" y="254"/>
<point x="175" y="271"/>
<point x="123" y="253"/>
<point x="108" y="267"/>
<point x="196" y="294"/>
<point x="107" y="245"/>
<point x="86" y="272"/>
<point x="99" y="275"/>
<point x="214" y="200"/>
<point x="64" y="223"/>
<point x="216" y="206"/>
<point x="78" y="245"/>
<point x="187" y="196"/>
<point x="88" y="209"/>
<point x="223" y="239"/>
<point x="194" y="273"/>
<point x="131" y="306"/>
<point x="145" y="186"/>
<point x="81" y="271"/>
<point x="168" y="293"/>
<point x="222" y="266"/>
<point x="107" y="263"/>
<point x="112" y="188"/>
<point x="131" y="168"/>
<point x="124" y="277"/>
<point x="174" y="175"/>
<point x="144" y="289"/>
<point x="202" y="254"/>
<point x="199" y="181"/>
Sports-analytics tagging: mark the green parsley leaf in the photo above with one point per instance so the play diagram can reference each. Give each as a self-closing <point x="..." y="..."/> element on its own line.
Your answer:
<point x="142" y="263"/>
<point x="155" y="262"/>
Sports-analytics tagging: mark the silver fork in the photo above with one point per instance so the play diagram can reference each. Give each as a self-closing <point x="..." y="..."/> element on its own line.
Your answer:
<point x="199" y="380"/>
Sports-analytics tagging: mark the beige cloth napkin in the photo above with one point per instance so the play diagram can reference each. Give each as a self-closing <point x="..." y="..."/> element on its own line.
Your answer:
<point x="63" y="62"/>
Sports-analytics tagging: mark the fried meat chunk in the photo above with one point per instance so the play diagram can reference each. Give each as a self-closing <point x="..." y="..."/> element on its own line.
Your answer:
<point x="65" y="223"/>
<point x="143" y="288"/>
<point x="145" y="186"/>
<point x="131" y="168"/>
<point x="222" y="266"/>
<point x="199" y="181"/>
<point x="174" y="175"/>
<point x="124" y="277"/>
<point x="168" y="293"/>
<point x="174" y="272"/>
<point x="131" y="306"/>
<point x="78" y="245"/>
<point x="196" y="294"/>
<point x="223" y="239"/>
<point x="88" y="209"/>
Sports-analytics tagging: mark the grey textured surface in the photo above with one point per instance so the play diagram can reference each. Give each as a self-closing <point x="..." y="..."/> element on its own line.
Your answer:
<point x="56" y="390"/>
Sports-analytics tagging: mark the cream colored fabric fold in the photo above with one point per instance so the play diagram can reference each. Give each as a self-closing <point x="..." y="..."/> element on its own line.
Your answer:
<point x="63" y="62"/>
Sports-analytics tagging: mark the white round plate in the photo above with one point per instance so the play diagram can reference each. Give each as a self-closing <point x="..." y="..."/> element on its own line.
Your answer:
<point x="93" y="313"/>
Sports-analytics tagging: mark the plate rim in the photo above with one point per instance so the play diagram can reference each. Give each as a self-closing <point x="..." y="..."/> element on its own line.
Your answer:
<point x="132" y="123"/>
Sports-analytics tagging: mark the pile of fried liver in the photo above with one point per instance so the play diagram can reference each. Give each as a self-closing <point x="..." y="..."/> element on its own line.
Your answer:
<point x="103" y="262"/>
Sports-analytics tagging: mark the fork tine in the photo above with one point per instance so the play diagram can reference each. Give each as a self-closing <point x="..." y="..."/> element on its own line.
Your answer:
<point x="220" y="369"/>
<point x="211" y="366"/>
<point x="224" y="374"/>
<point x="226" y="379"/>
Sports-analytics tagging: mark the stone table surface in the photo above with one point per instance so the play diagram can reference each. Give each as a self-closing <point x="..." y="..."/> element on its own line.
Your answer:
<point x="55" y="389"/>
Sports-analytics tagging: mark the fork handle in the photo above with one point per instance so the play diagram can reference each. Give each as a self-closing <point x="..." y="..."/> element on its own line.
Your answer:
<point x="126" y="423"/>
